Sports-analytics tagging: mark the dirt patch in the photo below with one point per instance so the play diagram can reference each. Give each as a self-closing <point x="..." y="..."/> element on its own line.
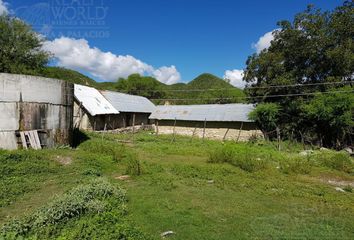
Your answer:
<point x="123" y="177"/>
<point x="339" y="183"/>
<point x="64" y="160"/>
<point x="333" y="181"/>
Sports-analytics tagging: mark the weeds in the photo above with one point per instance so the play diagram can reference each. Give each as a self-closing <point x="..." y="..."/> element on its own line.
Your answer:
<point x="92" y="198"/>
<point x="246" y="161"/>
<point x="296" y="165"/>
<point x="338" y="161"/>
<point x="133" y="165"/>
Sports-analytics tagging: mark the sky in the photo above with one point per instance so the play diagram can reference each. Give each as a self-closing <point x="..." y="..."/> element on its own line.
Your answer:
<point x="171" y="40"/>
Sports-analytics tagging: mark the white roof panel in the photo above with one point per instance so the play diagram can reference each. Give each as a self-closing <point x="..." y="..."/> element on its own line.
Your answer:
<point x="93" y="101"/>
<point x="208" y="112"/>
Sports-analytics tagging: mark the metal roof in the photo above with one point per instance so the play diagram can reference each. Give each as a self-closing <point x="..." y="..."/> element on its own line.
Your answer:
<point x="129" y="103"/>
<point x="208" y="112"/>
<point x="93" y="101"/>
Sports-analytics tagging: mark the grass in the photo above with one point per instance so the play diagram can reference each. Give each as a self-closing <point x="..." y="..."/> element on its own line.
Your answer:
<point x="198" y="189"/>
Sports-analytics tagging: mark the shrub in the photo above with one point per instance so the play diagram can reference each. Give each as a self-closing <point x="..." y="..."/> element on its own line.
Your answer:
<point x="115" y="150"/>
<point x="82" y="199"/>
<point x="245" y="160"/>
<point x="297" y="165"/>
<point x="133" y="165"/>
<point x="338" y="161"/>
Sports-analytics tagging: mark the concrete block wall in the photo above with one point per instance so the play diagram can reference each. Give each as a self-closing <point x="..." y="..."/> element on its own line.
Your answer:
<point x="35" y="103"/>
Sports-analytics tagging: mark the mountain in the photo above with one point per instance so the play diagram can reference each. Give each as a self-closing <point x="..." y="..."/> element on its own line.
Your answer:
<point x="208" y="81"/>
<point x="204" y="89"/>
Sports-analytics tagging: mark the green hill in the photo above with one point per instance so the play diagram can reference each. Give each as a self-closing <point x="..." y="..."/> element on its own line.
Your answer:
<point x="204" y="89"/>
<point x="208" y="81"/>
<point x="67" y="75"/>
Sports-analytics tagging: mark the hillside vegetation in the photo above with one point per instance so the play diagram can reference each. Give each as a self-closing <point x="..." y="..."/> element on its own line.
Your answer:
<point x="204" y="89"/>
<point x="197" y="189"/>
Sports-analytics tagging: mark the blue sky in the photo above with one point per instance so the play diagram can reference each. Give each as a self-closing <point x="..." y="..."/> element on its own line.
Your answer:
<point x="195" y="36"/>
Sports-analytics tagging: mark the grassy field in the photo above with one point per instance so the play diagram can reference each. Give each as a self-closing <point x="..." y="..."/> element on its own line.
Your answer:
<point x="197" y="189"/>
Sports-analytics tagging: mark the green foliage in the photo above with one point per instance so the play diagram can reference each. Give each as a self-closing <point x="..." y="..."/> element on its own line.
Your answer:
<point x="133" y="165"/>
<point x="178" y="187"/>
<point x="140" y="85"/>
<point x="20" y="50"/>
<point x="250" y="162"/>
<point x="67" y="75"/>
<point x="332" y="117"/>
<point x="266" y="115"/>
<point x="217" y="91"/>
<point x="99" y="199"/>
<point x="338" y="161"/>
<point x="296" y="165"/>
<point x="22" y="172"/>
<point x="315" y="48"/>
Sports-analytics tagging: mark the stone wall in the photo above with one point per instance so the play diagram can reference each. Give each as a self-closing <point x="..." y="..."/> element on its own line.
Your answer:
<point x="215" y="131"/>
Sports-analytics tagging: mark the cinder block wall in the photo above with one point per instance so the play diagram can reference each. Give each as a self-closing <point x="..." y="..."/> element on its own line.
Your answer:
<point x="35" y="103"/>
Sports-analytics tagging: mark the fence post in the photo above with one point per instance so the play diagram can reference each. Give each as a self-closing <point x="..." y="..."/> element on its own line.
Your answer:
<point x="239" y="132"/>
<point x="227" y="131"/>
<point x="278" y="137"/>
<point x="204" y="128"/>
<point x="133" y="126"/>
<point x="174" y="130"/>
<point x="157" y="127"/>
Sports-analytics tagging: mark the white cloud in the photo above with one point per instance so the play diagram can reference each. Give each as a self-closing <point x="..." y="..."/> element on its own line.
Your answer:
<point x="235" y="77"/>
<point x="264" y="41"/>
<point x="77" y="54"/>
<point x="3" y="7"/>
<point x="168" y="75"/>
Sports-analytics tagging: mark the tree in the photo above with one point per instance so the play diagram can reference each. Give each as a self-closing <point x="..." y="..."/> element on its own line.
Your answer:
<point x="140" y="85"/>
<point x="313" y="53"/>
<point x="317" y="47"/>
<point x="266" y="116"/>
<point x="332" y="118"/>
<point x="20" y="47"/>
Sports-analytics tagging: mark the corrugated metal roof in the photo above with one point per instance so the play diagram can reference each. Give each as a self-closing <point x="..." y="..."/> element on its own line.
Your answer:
<point x="93" y="101"/>
<point x="129" y="103"/>
<point x="210" y="112"/>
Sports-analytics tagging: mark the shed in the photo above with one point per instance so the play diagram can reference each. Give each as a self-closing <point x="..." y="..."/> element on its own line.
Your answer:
<point x="35" y="110"/>
<point x="92" y="111"/>
<point x="216" y="120"/>
<point x="131" y="107"/>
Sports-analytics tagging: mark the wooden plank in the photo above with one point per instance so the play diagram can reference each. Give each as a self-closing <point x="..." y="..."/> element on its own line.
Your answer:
<point x="31" y="139"/>
<point x="35" y="133"/>
<point x="23" y="139"/>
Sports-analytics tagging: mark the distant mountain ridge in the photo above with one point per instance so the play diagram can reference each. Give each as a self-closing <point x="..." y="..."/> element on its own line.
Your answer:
<point x="206" y="88"/>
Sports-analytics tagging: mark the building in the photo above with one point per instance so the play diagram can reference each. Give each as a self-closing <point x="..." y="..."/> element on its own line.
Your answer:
<point x="35" y="111"/>
<point x="92" y="111"/>
<point x="216" y="121"/>
<point x="134" y="110"/>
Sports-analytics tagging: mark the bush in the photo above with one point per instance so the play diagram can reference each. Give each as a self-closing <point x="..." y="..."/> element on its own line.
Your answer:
<point x="133" y="165"/>
<point x="247" y="161"/>
<point x="89" y="198"/>
<point x="338" y="161"/>
<point x="297" y="165"/>
<point x="115" y="150"/>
